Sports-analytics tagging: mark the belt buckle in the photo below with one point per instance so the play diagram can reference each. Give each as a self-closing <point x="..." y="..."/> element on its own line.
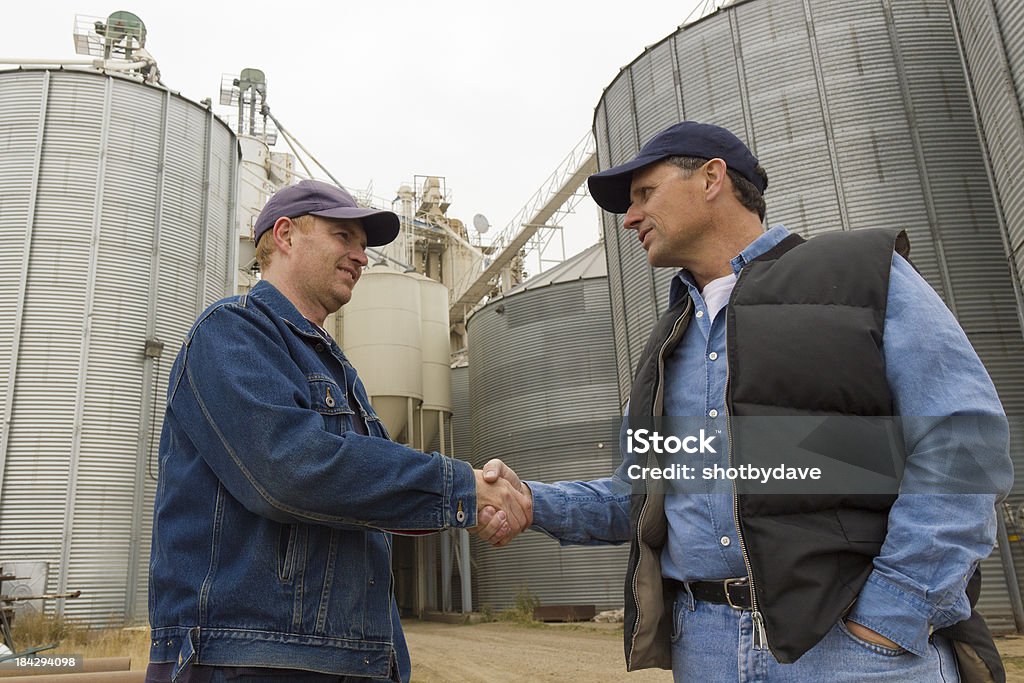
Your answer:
<point x="742" y="581"/>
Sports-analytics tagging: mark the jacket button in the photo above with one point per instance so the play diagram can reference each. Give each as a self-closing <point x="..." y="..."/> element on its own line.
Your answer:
<point x="373" y="582"/>
<point x="319" y="348"/>
<point x="366" y="661"/>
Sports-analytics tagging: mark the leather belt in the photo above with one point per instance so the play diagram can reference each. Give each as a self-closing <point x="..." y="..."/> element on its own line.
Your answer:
<point x="732" y="592"/>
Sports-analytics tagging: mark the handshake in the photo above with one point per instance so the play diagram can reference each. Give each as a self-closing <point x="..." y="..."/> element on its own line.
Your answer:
<point x="504" y="504"/>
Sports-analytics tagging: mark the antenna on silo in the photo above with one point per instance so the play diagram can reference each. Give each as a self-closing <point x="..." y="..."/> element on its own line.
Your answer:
<point x="481" y="224"/>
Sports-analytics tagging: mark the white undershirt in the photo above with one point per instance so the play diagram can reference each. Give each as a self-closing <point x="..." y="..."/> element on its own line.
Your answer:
<point x="716" y="293"/>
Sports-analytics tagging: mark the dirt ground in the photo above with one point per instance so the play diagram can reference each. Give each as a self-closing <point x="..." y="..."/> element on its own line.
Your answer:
<point x="512" y="653"/>
<point x="1012" y="650"/>
<point x="501" y="652"/>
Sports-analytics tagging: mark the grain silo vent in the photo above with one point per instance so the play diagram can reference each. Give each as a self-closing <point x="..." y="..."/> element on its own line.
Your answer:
<point x="118" y="42"/>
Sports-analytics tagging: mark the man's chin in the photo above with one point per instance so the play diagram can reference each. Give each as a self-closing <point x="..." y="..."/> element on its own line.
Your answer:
<point x="657" y="260"/>
<point x="660" y="259"/>
<point x="342" y="297"/>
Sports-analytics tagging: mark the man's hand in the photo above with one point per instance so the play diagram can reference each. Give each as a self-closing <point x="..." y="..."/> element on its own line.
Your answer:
<point x="864" y="633"/>
<point x="492" y="526"/>
<point x="503" y="510"/>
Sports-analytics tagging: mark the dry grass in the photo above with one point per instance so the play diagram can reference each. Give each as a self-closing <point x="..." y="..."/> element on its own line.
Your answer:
<point x="522" y="613"/>
<point x="37" y="630"/>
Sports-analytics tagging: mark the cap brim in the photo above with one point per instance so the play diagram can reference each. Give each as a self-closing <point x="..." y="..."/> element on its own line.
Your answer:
<point x="381" y="226"/>
<point x="610" y="188"/>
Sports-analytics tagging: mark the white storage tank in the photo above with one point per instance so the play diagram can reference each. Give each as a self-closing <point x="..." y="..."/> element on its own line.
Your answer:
<point x="382" y="339"/>
<point x="437" y="387"/>
<point x="117" y="204"/>
<point x="254" y="188"/>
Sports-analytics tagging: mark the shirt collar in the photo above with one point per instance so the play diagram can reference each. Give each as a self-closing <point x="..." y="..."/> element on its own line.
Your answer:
<point x="683" y="281"/>
<point x="761" y="245"/>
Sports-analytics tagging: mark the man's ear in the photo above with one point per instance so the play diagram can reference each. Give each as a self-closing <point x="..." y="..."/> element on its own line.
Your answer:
<point x="282" y="234"/>
<point x="714" y="177"/>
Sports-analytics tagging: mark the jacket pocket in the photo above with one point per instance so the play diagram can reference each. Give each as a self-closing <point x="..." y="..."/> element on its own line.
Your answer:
<point x="330" y="399"/>
<point x="286" y="552"/>
<point x="864" y="526"/>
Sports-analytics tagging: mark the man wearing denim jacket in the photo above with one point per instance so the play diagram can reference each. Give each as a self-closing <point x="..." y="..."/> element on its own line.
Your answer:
<point x="271" y="557"/>
<point x="724" y="582"/>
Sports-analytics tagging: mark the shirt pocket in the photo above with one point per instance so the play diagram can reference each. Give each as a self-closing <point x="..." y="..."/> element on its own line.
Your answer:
<point x="330" y="399"/>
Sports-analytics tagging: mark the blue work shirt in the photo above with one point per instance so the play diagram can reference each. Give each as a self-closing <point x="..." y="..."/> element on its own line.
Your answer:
<point x="930" y="550"/>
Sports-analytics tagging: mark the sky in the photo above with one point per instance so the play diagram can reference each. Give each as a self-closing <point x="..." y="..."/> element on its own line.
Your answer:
<point x="491" y="96"/>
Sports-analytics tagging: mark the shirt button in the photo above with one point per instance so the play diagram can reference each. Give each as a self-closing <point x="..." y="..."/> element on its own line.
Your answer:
<point x="373" y="582"/>
<point x="725" y="541"/>
<point x="713" y="356"/>
<point x="712" y="413"/>
<point x="700" y="314"/>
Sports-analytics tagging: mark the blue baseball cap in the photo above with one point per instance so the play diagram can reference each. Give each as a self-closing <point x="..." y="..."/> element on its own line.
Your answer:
<point x="610" y="188"/>
<point x="317" y="198"/>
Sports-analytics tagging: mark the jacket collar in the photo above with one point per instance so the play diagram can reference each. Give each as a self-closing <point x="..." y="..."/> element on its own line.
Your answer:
<point x="271" y="297"/>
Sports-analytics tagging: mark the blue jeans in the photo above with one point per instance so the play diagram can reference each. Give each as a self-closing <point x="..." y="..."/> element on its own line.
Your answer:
<point x="713" y="644"/>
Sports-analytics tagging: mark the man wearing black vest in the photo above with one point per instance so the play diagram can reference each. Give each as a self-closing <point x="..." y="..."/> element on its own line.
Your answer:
<point x="776" y="347"/>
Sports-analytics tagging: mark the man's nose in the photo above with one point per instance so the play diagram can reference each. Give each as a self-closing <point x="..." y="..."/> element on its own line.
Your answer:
<point x="633" y="218"/>
<point x="358" y="255"/>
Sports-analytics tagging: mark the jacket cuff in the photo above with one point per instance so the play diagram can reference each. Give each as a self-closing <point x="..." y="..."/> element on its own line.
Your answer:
<point x="894" y="613"/>
<point x="461" y="504"/>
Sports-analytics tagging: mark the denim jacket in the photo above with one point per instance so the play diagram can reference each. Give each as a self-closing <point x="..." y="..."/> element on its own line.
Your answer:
<point x="269" y="547"/>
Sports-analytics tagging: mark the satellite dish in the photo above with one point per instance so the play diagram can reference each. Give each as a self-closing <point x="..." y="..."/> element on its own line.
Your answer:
<point x="480" y="224"/>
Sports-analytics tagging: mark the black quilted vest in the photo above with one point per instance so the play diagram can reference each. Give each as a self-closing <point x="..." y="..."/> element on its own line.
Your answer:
<point x="805" y="325"/>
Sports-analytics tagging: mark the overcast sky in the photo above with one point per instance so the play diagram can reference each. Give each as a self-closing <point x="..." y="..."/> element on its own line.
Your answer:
<point x="492" y="96"/>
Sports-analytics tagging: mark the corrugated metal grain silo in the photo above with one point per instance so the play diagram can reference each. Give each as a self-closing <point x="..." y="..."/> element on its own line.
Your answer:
<point x="544" y="399"/>
<point x="461" y="443"/>
<point x="861" y="115"/>
<point x="117" y="215"/>
<point x="875" y="130"/>
<point x="991" y="35"/>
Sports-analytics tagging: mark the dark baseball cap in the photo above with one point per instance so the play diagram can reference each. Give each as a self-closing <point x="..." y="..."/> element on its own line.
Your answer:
<point x="610" y="188"/>
<point x="317" y="198"/>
